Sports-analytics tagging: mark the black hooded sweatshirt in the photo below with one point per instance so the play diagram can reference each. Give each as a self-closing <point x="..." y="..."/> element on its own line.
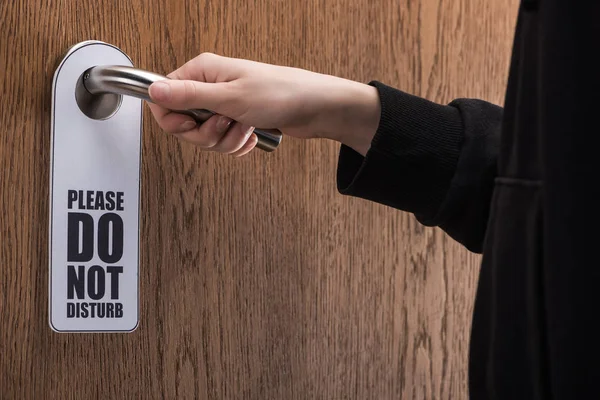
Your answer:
<point x="515" y="183"/>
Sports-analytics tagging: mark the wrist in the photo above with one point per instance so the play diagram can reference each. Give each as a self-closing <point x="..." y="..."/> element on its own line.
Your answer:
<point x="354" y="115"/>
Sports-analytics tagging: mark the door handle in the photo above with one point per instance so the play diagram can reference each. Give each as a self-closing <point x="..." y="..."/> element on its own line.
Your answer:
<point x="111" y="80"/>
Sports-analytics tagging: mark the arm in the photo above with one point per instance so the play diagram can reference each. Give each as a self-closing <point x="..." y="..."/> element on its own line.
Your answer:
<point x="435" y="161"/>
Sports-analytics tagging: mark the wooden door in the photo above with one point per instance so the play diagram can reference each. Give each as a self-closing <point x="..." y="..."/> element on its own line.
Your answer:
<point x="258" y="280"/>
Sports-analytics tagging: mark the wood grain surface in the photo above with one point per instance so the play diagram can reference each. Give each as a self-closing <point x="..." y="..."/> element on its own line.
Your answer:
<point x="258" y="280"/>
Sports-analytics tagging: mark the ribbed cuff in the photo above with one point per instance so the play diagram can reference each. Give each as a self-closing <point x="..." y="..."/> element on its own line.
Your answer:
<point x="412" y="158"/>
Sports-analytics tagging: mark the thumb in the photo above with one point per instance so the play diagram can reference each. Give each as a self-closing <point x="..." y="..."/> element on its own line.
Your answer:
<point x="185" y="94"/>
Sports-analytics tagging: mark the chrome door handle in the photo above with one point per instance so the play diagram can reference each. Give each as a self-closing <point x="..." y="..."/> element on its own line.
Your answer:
<point x="122" y="80"/>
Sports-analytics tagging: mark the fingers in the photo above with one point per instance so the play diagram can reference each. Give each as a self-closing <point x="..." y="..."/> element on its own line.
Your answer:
<point x="218" y="133"/>
<point x="185" y="94"/>
<point x="247" y="147"/>
<point x="205" y="82"/>
<point x="234" y="139"/>
<point x="171" y="122"/>
<point x="207" y="135"/>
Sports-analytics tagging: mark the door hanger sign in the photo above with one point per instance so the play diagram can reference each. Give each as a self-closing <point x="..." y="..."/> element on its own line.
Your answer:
<point x="94" y="201"/>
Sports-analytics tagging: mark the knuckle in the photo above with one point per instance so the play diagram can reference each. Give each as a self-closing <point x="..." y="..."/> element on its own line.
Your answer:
<point x="207" y="56"/>
<point x="163" y="124"/>
<point x="203" y="63"/>
<point x="189" y="91"/>
<point x="204" y="59"/>
<point x="209" y="140"/>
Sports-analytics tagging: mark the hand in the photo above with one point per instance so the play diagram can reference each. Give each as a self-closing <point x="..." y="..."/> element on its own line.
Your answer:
<point x="246" y="94"/>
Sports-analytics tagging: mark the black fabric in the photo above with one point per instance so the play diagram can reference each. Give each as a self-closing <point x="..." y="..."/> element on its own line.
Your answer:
<point x="413" y="159"/>
<point x="517" y="184"/>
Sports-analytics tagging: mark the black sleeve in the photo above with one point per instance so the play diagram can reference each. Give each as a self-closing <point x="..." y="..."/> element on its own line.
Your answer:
<point x="435" y="161"/>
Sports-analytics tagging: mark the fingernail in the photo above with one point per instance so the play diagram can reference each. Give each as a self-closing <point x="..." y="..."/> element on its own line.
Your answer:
<point x="160" y="91"/>
<point x="187" y="125"/>
<point x="247" y="129"/>
<point x="223" y="123"/>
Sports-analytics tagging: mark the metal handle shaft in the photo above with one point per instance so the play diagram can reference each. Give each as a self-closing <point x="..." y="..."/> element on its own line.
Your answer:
<point x="129" y="81"/>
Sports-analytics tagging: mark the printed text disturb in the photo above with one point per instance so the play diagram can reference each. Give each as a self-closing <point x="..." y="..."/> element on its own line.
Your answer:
<point x="94" y="250"/>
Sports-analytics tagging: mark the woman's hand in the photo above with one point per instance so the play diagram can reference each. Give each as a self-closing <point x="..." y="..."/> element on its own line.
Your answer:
<point x="246" y="94"/>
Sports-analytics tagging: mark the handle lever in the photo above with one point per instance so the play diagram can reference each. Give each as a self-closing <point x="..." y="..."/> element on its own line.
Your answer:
<point x="129" y="81"/>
